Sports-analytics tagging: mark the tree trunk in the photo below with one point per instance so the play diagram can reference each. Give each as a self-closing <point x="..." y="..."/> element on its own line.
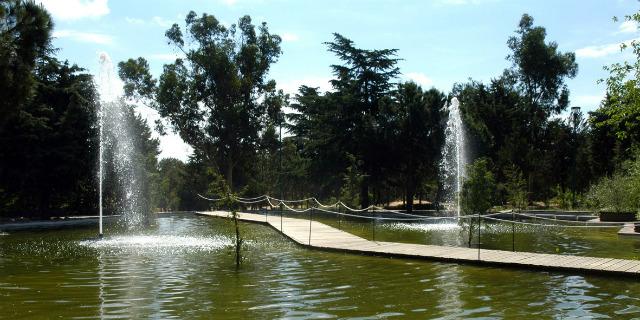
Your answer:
<point x="364" y="192"/>
<point x="410" y="196"/>
<point x="229" y="172"/>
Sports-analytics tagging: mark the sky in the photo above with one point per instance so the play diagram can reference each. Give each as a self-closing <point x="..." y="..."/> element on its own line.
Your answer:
<point x="440" y="42"/>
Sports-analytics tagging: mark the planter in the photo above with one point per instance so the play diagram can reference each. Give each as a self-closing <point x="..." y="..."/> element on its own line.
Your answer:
<point x="623" y="216"/>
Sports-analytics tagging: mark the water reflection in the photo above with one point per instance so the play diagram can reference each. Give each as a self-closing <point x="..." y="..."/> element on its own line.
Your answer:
<point x="184" y="268"/>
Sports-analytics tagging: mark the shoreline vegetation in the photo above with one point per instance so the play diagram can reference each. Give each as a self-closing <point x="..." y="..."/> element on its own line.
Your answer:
<point x="371" y="139"/>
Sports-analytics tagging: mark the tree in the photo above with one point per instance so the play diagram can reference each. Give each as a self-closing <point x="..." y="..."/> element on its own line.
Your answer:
<point x="350" y="193"/>
<point x="25" y="37"/>
<point x="361" y="82"/>
<point x="540" y="71"/>
<point x="420" y="135"/>
<point x="317" y="126"/>
<point x="516" y="187"/>
<point x="621" y="108"/>
<point x="170" y="185"/>
<point x="212" y="96"/>
<point x="49" y="147"/>
<point x="477" y="191"/>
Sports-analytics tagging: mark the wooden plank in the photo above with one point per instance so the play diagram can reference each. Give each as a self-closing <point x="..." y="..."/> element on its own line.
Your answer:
<point x="327" y="237"/>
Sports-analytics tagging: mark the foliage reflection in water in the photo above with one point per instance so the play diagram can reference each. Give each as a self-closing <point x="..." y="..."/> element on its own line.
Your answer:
<point x="63" y="276"/>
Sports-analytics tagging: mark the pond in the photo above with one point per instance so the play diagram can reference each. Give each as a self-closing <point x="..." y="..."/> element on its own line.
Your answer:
<point x="183" y="267"/>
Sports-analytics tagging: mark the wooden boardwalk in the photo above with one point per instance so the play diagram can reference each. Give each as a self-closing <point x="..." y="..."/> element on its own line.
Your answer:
<point x="628" y="231"/>
<point x="328" y="238"/>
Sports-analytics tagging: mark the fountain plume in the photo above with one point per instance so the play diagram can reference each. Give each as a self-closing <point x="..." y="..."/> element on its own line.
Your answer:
<point x="117" y="142"/>
<point x="453" y="160"/>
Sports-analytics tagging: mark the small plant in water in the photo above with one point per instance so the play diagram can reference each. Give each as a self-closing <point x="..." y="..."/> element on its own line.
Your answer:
<point x="220" y="186"/>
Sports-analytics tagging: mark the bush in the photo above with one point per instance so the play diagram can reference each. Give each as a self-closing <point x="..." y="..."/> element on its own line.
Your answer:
<point x="620" y="191"/>
<point x="613" y="193"/>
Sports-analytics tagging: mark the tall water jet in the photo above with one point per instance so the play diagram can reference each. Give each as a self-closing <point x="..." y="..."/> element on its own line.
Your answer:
<point x="452" y="163"/>
<point x="118" y="154"/>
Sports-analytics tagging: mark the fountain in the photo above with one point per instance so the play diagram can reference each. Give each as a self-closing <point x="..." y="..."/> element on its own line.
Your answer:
<point x="452" y="163"/>
<point x="117" y="143"/>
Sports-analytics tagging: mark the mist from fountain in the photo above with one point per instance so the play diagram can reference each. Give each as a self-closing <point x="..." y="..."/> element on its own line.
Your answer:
<point x="118" y="150"/>
<point x="453" y="158"/>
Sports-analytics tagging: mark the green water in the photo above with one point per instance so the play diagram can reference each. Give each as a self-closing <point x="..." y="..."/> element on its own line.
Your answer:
<point x="183" y="267"/>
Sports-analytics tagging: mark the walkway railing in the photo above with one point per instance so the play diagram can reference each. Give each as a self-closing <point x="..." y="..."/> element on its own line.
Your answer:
<point x="374" y="213"/>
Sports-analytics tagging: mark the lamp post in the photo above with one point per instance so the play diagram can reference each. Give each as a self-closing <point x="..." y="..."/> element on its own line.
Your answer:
<point x="575" y="119"/>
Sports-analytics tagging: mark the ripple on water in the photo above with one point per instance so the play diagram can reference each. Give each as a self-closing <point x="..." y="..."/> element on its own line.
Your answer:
<point x="424" y="226"/>
<point x="159" y="242"/>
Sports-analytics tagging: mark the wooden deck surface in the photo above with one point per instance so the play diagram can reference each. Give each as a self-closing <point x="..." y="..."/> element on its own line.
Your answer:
<point x="628" y="231"/>
<point x="325" y="237"/>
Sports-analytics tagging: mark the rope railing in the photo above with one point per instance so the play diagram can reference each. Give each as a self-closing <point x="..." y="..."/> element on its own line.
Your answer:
<point x="291" y="201"/>
<point x="325" y="205"/>
<point x="549" y="225"/>
<point x="371" y="210"/>
<point x="251" y="199"/>
<point x="617" y="224"/>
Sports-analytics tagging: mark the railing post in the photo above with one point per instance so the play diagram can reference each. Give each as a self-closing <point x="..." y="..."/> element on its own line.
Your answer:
<point x="373" y="221"/>
<point x="281" y="212"/>
<point x="513" y="231"/>
<point x="280" y="220"/>
<point x="310" y="219"/>
<point x="339" y="217"/>
<point x="479" y="223"/>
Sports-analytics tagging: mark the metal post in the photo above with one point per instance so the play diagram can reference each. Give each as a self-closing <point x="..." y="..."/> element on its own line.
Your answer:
<point x="373" y="221"/>
<point x="310" y="219"/>
<point x="513" y="231"/>
<point x="281" y="213"/>
<point x="479" y="222"/>
<point x="339" y="217"/>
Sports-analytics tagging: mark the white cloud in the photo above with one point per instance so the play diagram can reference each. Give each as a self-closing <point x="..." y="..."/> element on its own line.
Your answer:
<point x="291" y="87"/>
<point x="168" y="57"/>
<point x="171" y="145"/>
<point x="134" y="20"/>
<point x="80" y="36"/>
<point x="156" y="20"/>
<point x="162" y="21"/>
<point x="420" y="78"/>
<point x="76" y="9"/>
<point x="628" y="27"/>
<point x="598" y="51"/>
<point x="602" y="50"/>
<point x="289" y="37"/>
<point x="587" y="101"/>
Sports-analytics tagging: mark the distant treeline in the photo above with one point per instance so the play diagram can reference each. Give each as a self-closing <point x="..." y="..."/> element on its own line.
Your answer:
<point x="369" y="140"/>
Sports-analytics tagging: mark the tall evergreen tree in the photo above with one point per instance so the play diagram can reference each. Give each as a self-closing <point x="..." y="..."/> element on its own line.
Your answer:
<point x="211" y="97"/>
<point x="364" y="78"/>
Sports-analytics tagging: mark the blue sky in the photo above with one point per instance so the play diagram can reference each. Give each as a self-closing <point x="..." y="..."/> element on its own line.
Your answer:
<point x="440" y="41"/>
